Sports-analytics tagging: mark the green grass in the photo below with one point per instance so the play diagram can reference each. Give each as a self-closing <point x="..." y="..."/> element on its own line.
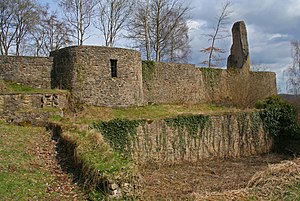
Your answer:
<point x="90" y="114"/>
<point x="293" y="192"/>
<point x="22" y="172"/>
<point x="93" y="151"/>
<point x="12" y="87"/>
<point x="97" y="161"/>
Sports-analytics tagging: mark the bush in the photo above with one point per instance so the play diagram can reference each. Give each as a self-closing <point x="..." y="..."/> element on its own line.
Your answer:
<point x="279" y="118"/>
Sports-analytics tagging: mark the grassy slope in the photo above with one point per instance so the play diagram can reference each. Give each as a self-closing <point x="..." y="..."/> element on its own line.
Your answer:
<point x="23" y="171"/>
<point x="12" y="87"/>
<point x="90" y="114"/>
<point x="23" y="177"/>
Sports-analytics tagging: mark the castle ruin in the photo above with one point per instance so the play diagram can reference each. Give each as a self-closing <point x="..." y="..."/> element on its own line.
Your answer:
<point x="113" y="77"/>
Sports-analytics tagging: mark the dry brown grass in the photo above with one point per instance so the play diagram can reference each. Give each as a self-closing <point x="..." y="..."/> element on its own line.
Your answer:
<point x="209" y="179"/>
<point x="278" y="182"/>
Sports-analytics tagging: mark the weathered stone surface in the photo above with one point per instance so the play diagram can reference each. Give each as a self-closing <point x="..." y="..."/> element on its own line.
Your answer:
<point x="23" y="109"/>
<point x="32" y="71"/>
<point x="224" y="136"/>
<point x="239" y="52"/>
<point x="16" y="102"/>
<point x="86" y="71"/>
<point x="186" y="84"/>
<point x="175" y="83"/>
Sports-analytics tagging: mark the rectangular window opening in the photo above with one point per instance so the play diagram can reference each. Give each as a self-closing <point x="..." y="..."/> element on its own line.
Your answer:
<point x="113" y="66"/>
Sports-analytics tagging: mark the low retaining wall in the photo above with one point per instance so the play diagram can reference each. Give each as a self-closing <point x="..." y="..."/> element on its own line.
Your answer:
<point x="20" y="108"/>
<point x="15" y="102"/>
<point x="192" y="138"/>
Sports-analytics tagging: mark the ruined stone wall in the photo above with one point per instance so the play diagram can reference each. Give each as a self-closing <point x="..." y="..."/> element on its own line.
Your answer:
<point x="32" y="71"/>
<point x="183" y="83"/>
<point x="188" y="137"/>
<point x="222" y="136"/>
<point x="17" y="102"/>
<point x="174" y="83"/>
<point x="34" y="109"/>
<point x="239" y="88"/>
<point x="86" y="71"/>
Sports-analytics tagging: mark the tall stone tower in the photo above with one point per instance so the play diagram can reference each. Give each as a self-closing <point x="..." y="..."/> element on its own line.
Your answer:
<point x="100" y="76"/>
<point x="239" y="57"/>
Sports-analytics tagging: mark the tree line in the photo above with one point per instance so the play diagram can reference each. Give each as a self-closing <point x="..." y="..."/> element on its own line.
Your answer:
<point x="158" y="28"/>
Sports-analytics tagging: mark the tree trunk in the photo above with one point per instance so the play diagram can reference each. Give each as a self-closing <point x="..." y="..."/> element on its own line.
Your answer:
<point x="147" y="39"/>
<point x="80" y="24"/>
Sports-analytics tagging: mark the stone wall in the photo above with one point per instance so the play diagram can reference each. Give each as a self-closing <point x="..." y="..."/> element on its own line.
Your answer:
<point x="34" y="109"/>
<point x="223" y="136"/>
<point x="32" y="71"/>
<point x="174" y="83"/>
<point x="189" y="138"/>
<point x="86" y="71"/>
<point x="186" y="84"/>
<point x="17" y="102"/>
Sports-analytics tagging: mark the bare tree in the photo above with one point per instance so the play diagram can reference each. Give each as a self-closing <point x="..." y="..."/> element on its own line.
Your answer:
<point x="26" y="16"/>
<point x="139" y="29"/>
<point x="50" y="34"/>
<point x="156" y="23"/>
<point x="58" y="33"/>
<point x="220" y="32"/>
<point x="17" y="17"/>
<point x="7" y="26"/>
<point x="258" y="66"/>
<point x="293" y="72"/>
<point x="79" y="15"/>
<point x="177" y="48"/>
<point x="112" y="17"/>
<point x="161" y="11"/>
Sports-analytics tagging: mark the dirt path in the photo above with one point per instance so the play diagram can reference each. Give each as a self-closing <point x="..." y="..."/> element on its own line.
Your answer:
<point x="180" y="182"/>
<point x="61" y="184"/>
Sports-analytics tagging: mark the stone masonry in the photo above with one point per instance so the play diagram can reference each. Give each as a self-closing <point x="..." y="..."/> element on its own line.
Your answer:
<point x="87" y="72"/>
<point x="112" y="77"/>
<point x="32" y="71"/>
<point x="239" y="52"/>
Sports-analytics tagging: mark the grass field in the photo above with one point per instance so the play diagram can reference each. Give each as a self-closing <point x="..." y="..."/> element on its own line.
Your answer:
<point x="28" y="170"/>
<point x="7" y="87"/>
<point x="90" y="114"/>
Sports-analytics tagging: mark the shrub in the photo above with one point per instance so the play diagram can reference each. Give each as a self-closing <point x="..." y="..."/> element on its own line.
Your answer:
<point x="279" y="118"/>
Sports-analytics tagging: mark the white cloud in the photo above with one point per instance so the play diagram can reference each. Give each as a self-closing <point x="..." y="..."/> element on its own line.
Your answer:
<point x="277" y="36"/>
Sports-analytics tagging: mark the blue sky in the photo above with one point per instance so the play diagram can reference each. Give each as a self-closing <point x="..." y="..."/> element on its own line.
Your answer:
<point x="271" y="25"/>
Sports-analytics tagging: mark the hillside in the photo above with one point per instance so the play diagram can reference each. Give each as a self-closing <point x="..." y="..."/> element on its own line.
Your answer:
<point x="84" y="164"/>
<point x="29" y="169"/>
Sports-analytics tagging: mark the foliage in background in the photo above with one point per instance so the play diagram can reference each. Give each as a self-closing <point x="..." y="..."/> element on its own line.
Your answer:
<point x="279" y="118"/>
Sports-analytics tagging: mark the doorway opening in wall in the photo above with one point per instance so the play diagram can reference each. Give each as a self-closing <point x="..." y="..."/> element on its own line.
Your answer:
<point x="113" y="66"/>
